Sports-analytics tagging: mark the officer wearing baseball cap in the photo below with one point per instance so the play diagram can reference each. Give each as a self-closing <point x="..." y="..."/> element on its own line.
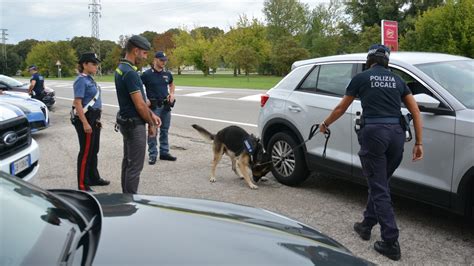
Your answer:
<point x="86" y="113"/>
<point x="160" y="90"/>
<point x="133" y="112"/>
<point x="381" y="140"/>
<point x="36" y="88"/>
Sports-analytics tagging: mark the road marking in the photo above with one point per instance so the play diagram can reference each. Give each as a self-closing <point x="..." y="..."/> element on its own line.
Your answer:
<point x="251" y="98"/>
<point x="106" y="87"/>
<point x="203" y="93"/>
<point x="185" y="116"/>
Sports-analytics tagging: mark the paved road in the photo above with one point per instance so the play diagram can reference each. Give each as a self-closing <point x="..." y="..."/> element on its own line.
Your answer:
<point x="427" y="235"/>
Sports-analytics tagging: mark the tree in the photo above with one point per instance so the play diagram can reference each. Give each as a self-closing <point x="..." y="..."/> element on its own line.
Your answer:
<point x="207" y="33"/>
<point x="284" y="53"/>
<point x="13" y="63"/>
<point x="324" y="32"/>
<point x="45" y="55"/>
<point x="245" y="46"/>
<point x="111" y="60"/>
<point x="149" y="35"/>
<point x="366" y="13"/>
<point x="82" y="44"/>
<point x="24" y="47"/>
<point x="285" y="18"/>
<point x="445" y="29"/>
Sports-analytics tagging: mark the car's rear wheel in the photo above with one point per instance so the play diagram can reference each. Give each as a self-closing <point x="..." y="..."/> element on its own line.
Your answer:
<point x="288" y="164"/>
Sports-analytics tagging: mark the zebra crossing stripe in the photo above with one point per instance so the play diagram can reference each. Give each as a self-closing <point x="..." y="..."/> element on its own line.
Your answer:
<point x="203" y="93"/>
<point x="251" y="98"/>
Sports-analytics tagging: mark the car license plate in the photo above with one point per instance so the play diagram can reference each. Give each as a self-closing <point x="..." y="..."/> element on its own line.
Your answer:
<point x="20" y="165"/>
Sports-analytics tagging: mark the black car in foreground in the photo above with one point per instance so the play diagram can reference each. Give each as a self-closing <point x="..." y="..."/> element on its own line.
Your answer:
<point x="68" y="227"/>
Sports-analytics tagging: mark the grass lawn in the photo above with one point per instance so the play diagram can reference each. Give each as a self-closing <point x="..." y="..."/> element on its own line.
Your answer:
<point x="214" y="81"/>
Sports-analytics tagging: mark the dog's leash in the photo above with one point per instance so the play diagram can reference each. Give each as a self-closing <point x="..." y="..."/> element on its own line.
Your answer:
<point x="312" y="132"/>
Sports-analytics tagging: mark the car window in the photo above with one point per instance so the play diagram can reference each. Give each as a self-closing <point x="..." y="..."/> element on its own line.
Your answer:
<point x="414" y="86"/>
<point x="292" y="80"/>
<point x="334" y="78"/>
<point x="309" y="84"/>
<point x="10" y="82"/>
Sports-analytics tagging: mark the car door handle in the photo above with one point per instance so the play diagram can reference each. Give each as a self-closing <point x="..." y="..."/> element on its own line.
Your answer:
<point x="295" y="109"/>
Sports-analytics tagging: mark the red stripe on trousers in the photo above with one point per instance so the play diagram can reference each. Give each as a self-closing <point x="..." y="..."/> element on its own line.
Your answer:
<point x="84" y="162"/>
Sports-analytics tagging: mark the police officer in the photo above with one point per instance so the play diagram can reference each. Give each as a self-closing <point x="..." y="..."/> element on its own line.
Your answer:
<point x="156" y="81"/>
<point x="36" y="83"/>
<point x="87" y="108"/>
<point x="381" y="138"/>
<point x="134" y="112"/>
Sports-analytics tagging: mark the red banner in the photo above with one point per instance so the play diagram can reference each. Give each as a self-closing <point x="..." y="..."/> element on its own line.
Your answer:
<point x="390" y="34"/>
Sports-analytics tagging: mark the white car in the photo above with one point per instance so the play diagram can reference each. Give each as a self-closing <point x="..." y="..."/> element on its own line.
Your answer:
<point x="19" y="153"/>
<point x="36" y="111"/>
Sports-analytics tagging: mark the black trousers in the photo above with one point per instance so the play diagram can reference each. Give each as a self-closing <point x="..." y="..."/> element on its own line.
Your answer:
<point x="87" y="172"/>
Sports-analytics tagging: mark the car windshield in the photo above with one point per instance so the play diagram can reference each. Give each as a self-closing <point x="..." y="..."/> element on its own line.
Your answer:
<point x="457" y="77"/>
<point x="10" y="82"/>
<point x="34" y="227"/>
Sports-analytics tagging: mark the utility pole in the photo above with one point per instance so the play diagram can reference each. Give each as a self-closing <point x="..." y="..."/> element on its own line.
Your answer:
<point x="95" y="13"/>
<point x="4" y="39"/>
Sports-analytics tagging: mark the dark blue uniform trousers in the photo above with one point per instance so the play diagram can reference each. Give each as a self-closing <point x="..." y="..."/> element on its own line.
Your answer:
<point x="381" y="153"/>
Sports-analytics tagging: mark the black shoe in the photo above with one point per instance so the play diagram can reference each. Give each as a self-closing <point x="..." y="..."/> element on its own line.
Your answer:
<point x="167" y="157"/>
<point x="390" y="250"/>
<point x="362" y="230"/>
<point x="152" y="160"/>
<point x="100" y="182"/>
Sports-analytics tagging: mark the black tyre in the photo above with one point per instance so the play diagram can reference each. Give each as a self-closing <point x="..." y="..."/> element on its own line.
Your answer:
<point x="291" y="169"/>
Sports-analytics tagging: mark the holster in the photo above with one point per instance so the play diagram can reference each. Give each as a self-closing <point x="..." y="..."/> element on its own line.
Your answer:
<point x="405" y="123"/>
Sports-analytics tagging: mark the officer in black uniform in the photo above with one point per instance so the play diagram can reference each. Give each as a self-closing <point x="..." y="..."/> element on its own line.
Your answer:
<point x="87" y="109"/>
<point x="36" y="83"/>
<point x="134" y="112"/>
<point x="160" y="91"/>
<point x="381" y="138"/>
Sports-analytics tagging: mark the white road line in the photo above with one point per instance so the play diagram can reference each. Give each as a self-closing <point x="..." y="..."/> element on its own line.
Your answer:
<point x="62" y="85"/>
<point x="203" y="93"/>
<point x="251" y="98"/>
<point x="106" y="87"/>
<point x="186" y="116"/>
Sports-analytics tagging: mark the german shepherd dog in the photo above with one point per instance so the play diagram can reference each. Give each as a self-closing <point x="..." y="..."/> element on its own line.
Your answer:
<point x="232" y="141"/>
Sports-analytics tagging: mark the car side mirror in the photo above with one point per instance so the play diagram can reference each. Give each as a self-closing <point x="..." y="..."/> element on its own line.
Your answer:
<point x="427" y="103"/>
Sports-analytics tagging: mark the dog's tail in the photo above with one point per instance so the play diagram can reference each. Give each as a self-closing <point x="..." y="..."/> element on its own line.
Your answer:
<point x="206" y="134"/>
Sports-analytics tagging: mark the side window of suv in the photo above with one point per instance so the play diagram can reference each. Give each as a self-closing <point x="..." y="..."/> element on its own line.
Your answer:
<point x="309" y="84"/>
<point x="334" y="78"/>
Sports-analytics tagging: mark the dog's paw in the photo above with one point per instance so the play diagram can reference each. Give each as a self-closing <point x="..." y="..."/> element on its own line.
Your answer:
<point x="263" y="179"/>
<point x="212" y="179"/>
<point x="253" y="186"/>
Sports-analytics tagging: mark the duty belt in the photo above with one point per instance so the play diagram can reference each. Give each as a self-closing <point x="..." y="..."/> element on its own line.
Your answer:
<point x="381" y="120"/>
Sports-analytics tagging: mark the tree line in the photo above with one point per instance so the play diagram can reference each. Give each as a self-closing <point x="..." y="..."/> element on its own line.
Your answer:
<point x="291" y="31"/>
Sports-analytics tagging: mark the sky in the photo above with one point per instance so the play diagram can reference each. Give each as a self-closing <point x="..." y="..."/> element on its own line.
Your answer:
<point x="63" y="19"/>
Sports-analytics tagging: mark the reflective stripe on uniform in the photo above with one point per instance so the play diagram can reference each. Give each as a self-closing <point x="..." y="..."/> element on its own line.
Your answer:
<point x="119" y="71"/>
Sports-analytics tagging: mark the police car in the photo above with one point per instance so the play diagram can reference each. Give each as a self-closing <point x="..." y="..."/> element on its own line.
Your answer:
<point x="19" y="153"/>
<point x="36" y="111"/>
<point x="443" y="86"/>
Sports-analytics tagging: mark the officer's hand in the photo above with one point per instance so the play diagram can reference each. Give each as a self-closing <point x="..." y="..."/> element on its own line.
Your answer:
<point x="417" y="152"/>
<point x="156" y="119"/>
<point x="322" y="127"/>
<point x="87" y="128"/>
<point x="171" y="98"/>
<point x="152" y="130"/>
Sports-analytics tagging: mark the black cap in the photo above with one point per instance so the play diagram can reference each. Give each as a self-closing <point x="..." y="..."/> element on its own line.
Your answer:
<point x="161" y="55"/>
<point x="140" y="42"/>
<point x="89" y="57"/>
<point x="379" y="50"/>
<point x="32" y="67"/>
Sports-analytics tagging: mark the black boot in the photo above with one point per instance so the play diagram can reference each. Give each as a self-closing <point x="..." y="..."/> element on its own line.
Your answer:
<point x="390" y="250"/>
<point x="362" y="230"/>
<point x="167" y="157"/>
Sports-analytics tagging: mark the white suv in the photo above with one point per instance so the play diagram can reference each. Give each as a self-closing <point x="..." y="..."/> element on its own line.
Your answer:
<point x="443" y="86"/>
<point x="19" y="153"/>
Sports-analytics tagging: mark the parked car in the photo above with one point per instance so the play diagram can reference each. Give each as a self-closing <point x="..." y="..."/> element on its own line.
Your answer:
<point x="443" y="86"/>
<point x="19" y="153"/>
<point x="36" y="112"/>
<point x="11" y="84"/>
<point x="70" y="227"/>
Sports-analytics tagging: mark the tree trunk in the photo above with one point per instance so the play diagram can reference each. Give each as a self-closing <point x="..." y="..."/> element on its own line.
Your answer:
<point x="235" y="71"/>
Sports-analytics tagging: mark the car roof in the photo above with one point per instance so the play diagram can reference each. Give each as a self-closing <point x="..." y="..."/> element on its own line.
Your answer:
<point x="412" y="58"/>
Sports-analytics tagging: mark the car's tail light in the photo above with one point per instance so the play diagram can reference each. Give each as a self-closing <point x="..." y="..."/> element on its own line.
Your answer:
<point x="263" y="99"/>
